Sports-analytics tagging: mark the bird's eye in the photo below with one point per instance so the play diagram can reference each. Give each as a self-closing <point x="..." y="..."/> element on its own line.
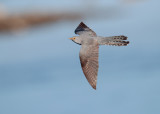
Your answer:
<point x="74" y="38"/>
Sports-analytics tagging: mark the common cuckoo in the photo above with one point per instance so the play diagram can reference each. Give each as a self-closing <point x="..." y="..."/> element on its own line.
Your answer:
<point x="88" y="55"/>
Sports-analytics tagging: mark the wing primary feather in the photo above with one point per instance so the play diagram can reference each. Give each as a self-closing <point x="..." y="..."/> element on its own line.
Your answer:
<point x="89" y="63"/>
<point x="84" y="29"/>
<point x="80" y="27"/>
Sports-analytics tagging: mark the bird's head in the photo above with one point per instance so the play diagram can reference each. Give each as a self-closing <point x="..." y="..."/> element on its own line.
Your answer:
<point x="76" y="39"/>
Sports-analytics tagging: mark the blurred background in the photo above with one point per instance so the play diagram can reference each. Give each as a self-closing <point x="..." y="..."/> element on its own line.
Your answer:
<point x="40" y="72"/>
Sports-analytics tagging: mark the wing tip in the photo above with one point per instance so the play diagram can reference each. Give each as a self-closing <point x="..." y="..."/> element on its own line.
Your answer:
<point x="94" y="87"/>
<point x="81" y="27"/>
<point x="81" y="22"/>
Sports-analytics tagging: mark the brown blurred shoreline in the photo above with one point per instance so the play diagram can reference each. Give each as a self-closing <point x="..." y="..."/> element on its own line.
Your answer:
<point x="14" y="22"/>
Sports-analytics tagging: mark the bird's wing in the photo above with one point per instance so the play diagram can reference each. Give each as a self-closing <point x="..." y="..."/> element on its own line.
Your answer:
<point x="82" y="29"/>
<point x="89" y="62"/>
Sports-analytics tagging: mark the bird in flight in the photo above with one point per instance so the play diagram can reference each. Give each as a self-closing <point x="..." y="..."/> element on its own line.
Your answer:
<point x="88" y="54"/>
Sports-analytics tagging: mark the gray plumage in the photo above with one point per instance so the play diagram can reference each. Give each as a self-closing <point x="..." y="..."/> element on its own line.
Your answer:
<point x="90" y="42"/>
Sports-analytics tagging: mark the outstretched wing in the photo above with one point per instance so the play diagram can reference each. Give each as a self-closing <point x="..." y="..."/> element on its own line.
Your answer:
<point x="89" y="62"/>
<point x="83" y="29"/>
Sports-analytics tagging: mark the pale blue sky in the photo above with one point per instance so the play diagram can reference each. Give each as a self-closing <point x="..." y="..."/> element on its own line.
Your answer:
<point x="40" y="72"/>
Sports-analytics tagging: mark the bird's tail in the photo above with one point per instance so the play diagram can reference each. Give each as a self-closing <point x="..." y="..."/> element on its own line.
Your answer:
<point x="114" y="40"/>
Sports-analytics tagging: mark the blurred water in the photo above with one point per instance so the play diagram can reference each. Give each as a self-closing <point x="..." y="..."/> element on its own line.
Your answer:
<point x="40" y="70"/>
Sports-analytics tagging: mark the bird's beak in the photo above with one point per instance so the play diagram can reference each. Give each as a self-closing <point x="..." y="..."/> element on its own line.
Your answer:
<point x="71" y="38"/>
